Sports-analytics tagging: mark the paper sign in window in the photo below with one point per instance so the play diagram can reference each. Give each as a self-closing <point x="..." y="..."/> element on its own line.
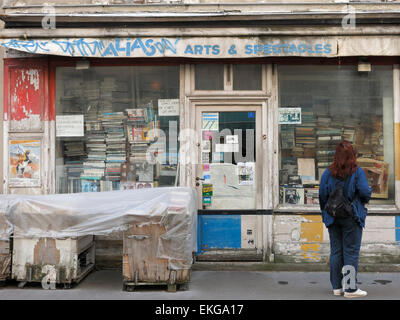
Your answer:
<point x="69" y="126"/>
<point x="168" y="107"/>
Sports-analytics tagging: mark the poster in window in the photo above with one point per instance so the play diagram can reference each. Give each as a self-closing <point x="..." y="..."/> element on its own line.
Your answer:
<point x="24" y="163"/>
<point x="246" y="173"/>
<point x="210" y="121"/>
<point x="289" y="115"/>
<point x="294" y="195"/>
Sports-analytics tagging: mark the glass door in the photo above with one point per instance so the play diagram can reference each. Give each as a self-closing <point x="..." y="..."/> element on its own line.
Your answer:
<point x="227" y="176"/>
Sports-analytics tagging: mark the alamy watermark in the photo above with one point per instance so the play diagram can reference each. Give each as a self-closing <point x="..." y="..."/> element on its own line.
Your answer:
<point x="49" y="19"/>
<point x="50" y="278"/>
<point x="349" y="20"/>
<point x="349" y="281"/>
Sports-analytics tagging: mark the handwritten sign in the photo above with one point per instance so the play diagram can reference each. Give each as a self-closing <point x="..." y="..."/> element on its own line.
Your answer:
<point x="168" y="107"/>
<point x="69" y="126"/>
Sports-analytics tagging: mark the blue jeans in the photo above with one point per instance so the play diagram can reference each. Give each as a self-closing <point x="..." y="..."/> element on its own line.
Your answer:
<point x="345" y="237"/>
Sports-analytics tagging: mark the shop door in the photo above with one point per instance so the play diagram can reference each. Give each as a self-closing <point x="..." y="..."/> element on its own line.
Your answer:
<point x="229" y="184"/>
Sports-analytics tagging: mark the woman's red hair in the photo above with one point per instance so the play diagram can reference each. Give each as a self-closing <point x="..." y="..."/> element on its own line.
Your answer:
<point x="344" y="162"/>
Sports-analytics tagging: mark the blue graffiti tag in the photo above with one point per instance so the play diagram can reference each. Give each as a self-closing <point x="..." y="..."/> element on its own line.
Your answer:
<point x="31" y="46"/>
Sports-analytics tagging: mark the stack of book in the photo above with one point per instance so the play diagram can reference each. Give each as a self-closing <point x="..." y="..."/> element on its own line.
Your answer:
<point x="74" y="149"/>
<point x="107" y="86"/>
<point x="137" y="129"/>
<point x="113" y="124"/>
<point x="121" y="96"/>
<point x="74" y="155"/>
<point x="377" y="137"/>
<point x="92" y="92"/>
<point x="93" y="170"/>
<point x="287" y="137"/>
<point x="327" y="139"/>
<point x="93" y="167"/>
<point x="305" y="134"/>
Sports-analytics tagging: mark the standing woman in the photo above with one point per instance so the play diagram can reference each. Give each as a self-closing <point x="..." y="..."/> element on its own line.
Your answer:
<point x="345" y="233"/>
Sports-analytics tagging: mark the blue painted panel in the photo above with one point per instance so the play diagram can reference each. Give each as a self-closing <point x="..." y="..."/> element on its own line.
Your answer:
<point x="397" y="219"/>
<point x="219" y="232"/>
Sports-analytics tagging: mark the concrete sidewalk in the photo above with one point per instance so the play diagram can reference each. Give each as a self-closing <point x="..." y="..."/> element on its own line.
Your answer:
<point x="216" y="285"/>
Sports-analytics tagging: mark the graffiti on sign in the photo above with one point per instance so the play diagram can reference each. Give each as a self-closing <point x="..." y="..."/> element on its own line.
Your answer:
<point x="179" y="47"/>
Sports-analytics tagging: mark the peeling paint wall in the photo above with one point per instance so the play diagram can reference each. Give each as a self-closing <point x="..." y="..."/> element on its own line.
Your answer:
<point x="304" y="238"/>
<point x="26" y="100"/>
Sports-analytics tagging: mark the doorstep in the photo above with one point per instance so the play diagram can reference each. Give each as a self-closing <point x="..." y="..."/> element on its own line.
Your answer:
<point x="301" y="267"/>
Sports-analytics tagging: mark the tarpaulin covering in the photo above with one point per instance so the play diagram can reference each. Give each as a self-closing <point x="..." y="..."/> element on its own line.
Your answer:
<point x="81" y="214"/>
<point x="5" y="225"/>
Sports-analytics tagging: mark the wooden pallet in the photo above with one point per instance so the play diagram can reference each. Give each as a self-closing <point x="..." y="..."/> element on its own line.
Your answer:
<point x="172" y="284"/>
<point x="65" y="285"/>
<point x="131" y="286"/>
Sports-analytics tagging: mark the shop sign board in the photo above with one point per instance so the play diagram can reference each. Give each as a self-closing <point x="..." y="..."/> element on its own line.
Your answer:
<point x="189" y="47"/>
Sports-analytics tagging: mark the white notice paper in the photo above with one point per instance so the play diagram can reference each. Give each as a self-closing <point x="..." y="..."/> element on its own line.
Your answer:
<point x="69" y="126"/>
<point x="168" y="107"/>
<point x="306" y="169"/>
<point x="246" y="173"/>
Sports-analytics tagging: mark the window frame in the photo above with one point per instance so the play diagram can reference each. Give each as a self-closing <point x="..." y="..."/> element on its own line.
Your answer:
<point x="384" y="209"/>
<point x="56" y="62"/>
<point x="228" y="81"/>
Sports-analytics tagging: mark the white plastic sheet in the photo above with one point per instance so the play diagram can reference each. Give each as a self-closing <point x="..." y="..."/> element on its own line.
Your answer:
<point x="81" y="214"/>
<point x="6" y="228"/>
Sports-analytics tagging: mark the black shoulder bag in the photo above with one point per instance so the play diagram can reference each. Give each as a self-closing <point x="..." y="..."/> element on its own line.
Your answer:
<point x="337" y="205"/>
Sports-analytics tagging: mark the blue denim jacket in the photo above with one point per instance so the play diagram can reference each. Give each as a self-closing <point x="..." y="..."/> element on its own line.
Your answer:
<point x="357" y="190"/>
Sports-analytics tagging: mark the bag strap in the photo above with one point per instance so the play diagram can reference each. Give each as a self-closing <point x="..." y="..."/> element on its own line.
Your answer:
<point x="346" y="183"/>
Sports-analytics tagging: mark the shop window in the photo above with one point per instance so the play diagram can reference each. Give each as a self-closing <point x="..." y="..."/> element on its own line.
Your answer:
<point x="209" y="76"/>
<point x="322" y="105"/>
<point x="116" y="128"/>
<point x="247" y="77"/>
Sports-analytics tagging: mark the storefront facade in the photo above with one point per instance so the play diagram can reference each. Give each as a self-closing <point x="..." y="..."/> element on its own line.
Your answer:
<point x="247" y="116"/>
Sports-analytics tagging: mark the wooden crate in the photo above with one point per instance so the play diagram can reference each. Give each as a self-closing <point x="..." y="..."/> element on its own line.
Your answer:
<point x="71" y="258"/>
<point x="5" y="261"/>
<point x="141" y="266"/>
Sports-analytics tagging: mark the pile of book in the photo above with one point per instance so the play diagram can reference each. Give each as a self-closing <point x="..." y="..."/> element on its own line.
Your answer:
<point x="91" y="91"/>
<point x="121" y="96"/>
<point x="329" y="133"/>
<point x="287" y="137"/>
<point x="305" y="134"/>
<point x="107" y="86"/>
<point x="113" y="124"/>
<point x="93" y="170"/>
<point x="74" y="153"/>
<point x="93" y="167"/>
<point x="140" y="132"/>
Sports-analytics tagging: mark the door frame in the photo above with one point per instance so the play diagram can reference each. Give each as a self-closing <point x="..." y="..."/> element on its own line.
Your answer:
<point x="264" y="193"/>
<point x="258" y="140"/>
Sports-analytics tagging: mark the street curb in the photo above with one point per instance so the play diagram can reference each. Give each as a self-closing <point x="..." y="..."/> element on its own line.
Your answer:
<point x="289" y="267"/>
